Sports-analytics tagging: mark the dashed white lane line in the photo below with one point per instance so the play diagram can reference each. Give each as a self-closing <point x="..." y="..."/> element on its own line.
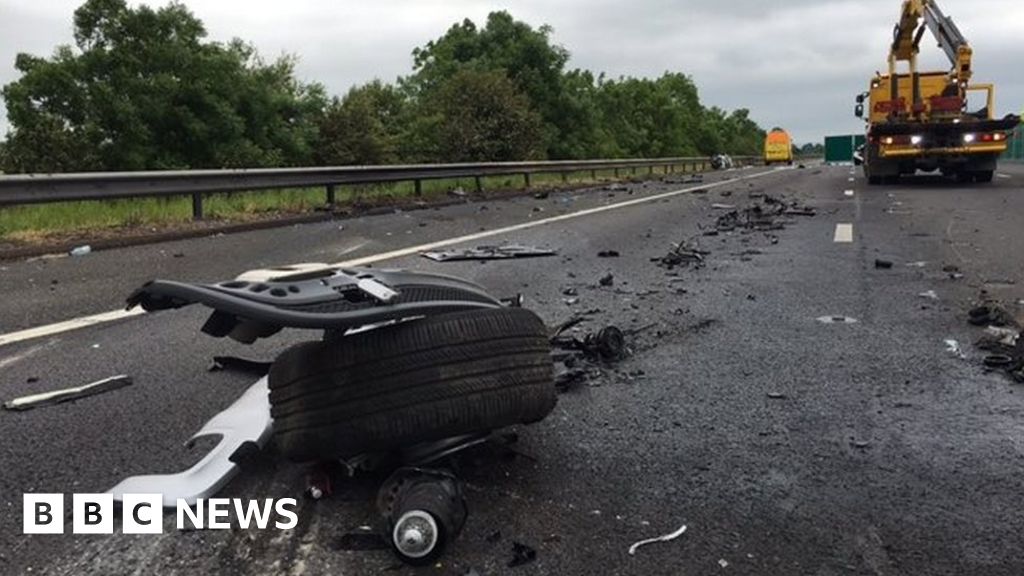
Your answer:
<point x="844" y="234"/>
<point x="848" y="193"/>
<point x="851" y="179"/>
<point x="76" y="323"/>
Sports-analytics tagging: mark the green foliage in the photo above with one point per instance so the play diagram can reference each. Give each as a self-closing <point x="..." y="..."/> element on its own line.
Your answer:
<point x="483" y="117"/>
<point x="810" y="149"/>
<point x="362" y="128"/>
<point x="142" y="90"/>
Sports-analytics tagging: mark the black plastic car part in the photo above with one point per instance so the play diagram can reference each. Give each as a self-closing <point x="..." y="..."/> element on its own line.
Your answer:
<point x="332" y="299"/>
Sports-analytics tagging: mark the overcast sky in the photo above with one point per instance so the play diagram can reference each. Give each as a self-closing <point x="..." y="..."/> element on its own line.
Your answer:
<point x="795" y="64"/>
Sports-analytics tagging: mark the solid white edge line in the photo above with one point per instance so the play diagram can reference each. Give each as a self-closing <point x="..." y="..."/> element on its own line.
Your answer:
<point x="84" y="321"/>
<point x="67" y="325"/>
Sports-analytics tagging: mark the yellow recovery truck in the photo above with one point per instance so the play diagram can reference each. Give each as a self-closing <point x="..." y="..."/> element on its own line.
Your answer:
<point x="922" y="120"/>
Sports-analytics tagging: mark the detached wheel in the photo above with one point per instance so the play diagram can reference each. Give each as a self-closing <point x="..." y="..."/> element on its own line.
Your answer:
<point x="413" y="382"/>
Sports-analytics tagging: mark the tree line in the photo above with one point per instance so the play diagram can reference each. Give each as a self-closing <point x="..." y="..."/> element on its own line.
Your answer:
<point x="143" y="89"/>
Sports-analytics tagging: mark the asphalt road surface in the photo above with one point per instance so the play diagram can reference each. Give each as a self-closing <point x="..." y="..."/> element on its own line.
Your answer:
<point x="786" y="445"/>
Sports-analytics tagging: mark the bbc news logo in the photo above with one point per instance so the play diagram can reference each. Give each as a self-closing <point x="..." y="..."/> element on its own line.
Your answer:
<point x="144" y="514"/>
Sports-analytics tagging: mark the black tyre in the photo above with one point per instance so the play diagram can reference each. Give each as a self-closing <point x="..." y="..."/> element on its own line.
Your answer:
<point x="417" y="381"/>
<point x="984" y="176"/>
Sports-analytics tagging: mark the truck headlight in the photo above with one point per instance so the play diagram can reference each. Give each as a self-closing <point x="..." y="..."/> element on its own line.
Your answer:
<point x="915" y="140"/>
<point x="968" y="138"/>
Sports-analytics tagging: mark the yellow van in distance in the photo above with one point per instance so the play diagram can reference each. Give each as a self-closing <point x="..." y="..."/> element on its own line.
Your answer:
<point x="778" y="147"/>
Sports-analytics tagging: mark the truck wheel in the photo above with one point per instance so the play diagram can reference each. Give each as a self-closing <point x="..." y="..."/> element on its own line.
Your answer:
<point x="413" y="382"/>
<point x="984" y="176"/>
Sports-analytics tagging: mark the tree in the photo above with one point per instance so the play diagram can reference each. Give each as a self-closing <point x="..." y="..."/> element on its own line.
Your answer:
<point x="143" y="90"/>
<point x="482" y="117"/>
<point x="524" y="54"/>
<point x="363" y="128"/>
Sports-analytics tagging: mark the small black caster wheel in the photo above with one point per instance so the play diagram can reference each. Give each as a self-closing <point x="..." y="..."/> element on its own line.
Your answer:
<point x="424" y="510"/>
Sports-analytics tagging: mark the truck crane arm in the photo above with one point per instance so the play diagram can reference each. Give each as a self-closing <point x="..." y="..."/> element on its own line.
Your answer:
<point x="909" y="32"/>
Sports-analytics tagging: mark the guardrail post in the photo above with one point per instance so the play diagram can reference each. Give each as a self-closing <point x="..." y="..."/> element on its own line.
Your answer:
<point x="419" y="187"/>
<point x="633" y="170"/>
<point x="330" y="194"/>
<point x="479" y="184"/>
<point x="526" y="178"/>
<point x="650" y="170"/>
<point x="593" y="174"/>
<point x="616" y="172"/>
<point x="565" y="177"/>
<point x="197" y="206"/>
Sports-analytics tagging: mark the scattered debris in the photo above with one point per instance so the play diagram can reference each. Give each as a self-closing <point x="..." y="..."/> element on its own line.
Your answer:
<point x="608" y="254"/>
<point x="542" y="195"/>
<point x="1002" y="361"/>
<point x="883" y="264"/>
<point x="521" y="554"/>
<point x="56" y="397"/>
<point x="991" y="315"/>
<point x="607" y="280"/>
<point x="916" y="264"/>
<point x="1003" y="340"/>
<point x="800" y="211"/>
<point x="664" y="538"/>
<point x="80" y="250"/>
<point x="242" y="365"/>
<point x="607" y="344"/>
<point x="953" y="347"/>
<point x="777" y="396"/>
<point x="837" y="320"/>
<point x="616" y="188"/>
<point x="724" y="206"/>
<point x="929" y="295"/>
<point x="682" y="254"/>
<point x="1001" y="336"/>
<point x="506" y="252"/>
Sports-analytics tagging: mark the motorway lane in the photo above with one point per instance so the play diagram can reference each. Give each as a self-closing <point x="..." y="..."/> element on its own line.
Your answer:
<point x="46" y="290"/>
<point x="886" y="456"/>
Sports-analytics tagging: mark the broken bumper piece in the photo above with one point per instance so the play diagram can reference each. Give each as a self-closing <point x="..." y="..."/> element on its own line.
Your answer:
<point x="329" y="298"/>
<point x="244" y="425"/>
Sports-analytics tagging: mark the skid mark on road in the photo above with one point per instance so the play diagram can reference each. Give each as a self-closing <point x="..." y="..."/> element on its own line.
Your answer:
<point x="95" y="319"/>
<point x="844" y="234"/>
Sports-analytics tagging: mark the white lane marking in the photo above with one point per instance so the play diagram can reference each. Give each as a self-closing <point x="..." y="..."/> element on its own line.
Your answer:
<point x="76" y="323"/>
<point x="851" y="179"/>
<point x="1003" y="176"/>
<point x="844" y="233"/>
<point x="848" y="193"/>
<point x="67" y="325"/>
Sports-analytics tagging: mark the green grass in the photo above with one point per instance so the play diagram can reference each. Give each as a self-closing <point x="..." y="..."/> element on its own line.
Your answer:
<point x="38" y="222"/>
